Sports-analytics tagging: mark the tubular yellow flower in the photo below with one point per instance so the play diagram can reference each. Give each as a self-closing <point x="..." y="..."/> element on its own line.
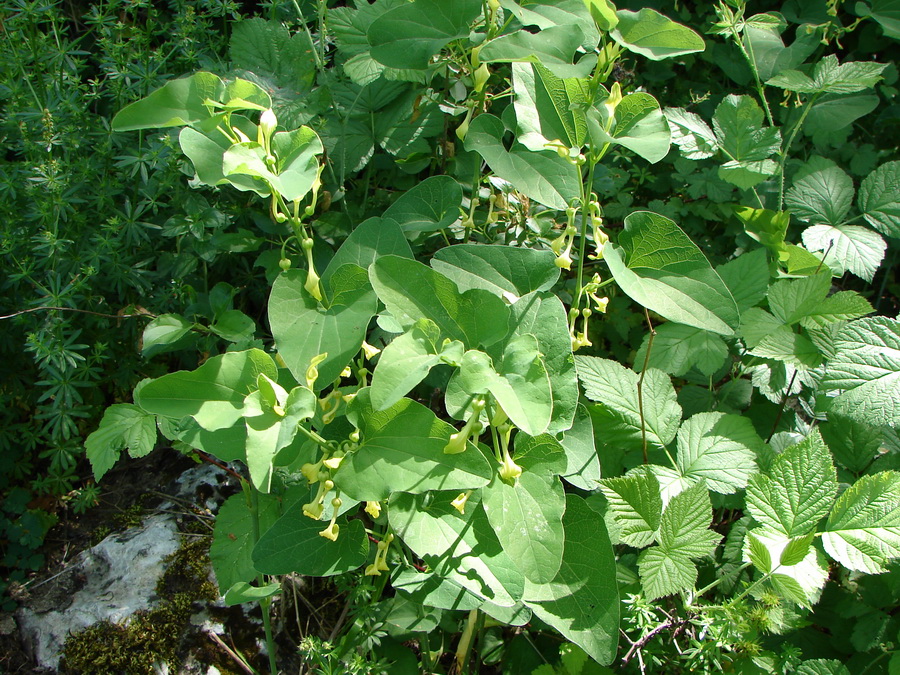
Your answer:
<point x="373" y="509"/>
<point x="460" y="502"/>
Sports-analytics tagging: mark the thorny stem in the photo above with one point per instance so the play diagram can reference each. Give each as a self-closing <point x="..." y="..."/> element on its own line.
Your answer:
<point x="640" y="385"/>
<point x="787" y="147"/>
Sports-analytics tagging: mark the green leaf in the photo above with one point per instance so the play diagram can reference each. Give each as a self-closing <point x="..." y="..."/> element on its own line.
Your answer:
<point x="854" y="444"/>
<point x="164" y="333"/>
<point x="636" y="505"/>
<point x="266" y="48"/>
<point x="213" y="394"/>
<point x="227" y="445"/>
<point x="822" y="193"/>
<point x="796" y="550"/>
<point x="302" y="328"/>
<point x="879" y="199"/>
<point x="123" y="426"/>
<point x="409" y="35"/>
<point x="554" y="48"/>
<point x="824" y="666"/>
<point x="462" y="546"/>
<point x="413" y="291"/>
<point x="747" y="277"/>
<point x="866" y="370"/>
<point x="293" y="545"/>
<point x="691" y="134"/>
<point x="638" y="124"/>
<point x="527" y="517"/>
<point x="683" y="528"/>
<point x="175" y="104"/>
<point x="404" y="363"/>
<point x="243" y="592"/>
<point x="678" y="348"/>
<point x="614" y="387"/>
<point x="762" y="40"/>
<point x="654" y="36"/>
<point x="833" y="112"/>
<point x="561" y="13"/>
<point x="505" y="271"/>
<point x="797" y="491"/>
<point x="233" y="325"/>
<point x="887" y="13"/>
<point x="842" y="306"/>
<point x="233" y="540"/>
<point x="582" y="601"/>
<point x="402" y="449"/>
<point x="849" y="78"/>
<point x="747" y="144"/>
<point x="863" y="530"/>
<point x="800" y="582"/>
<point x="582" y="463"/>
<point x="658" y="266"/>
<point x="720" y="448"/>
<point x="549" y="108"/>
<point x="793" y="299"/>
<point x="603" y="13"/>
<point x="428" y="206"/>
<point x="544" y="177"/>
<point x="767" y="227"/>
<point x="372" y="238"/>
<point x="665" y="572"/>
<point x="855" y="248"/>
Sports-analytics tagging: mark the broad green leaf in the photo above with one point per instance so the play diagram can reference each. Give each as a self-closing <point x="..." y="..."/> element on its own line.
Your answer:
<point x="303" y="329"/>
<point x="527" y="517"/>
<point x="233" y="325"/>
<point x="233" y="540"/>
<point x="428" y="206"/>
<point x="842" y="306"/>
<point x="863" y="530"/>
<point x="767" y="227"/>
<point x="821" y="193"/>
<point x="462" y="546"/>
<point x="243" y="592"/>
<point x="413" y="291"/>
<point x="762" y="40"/>
<point x="796" y="550"/>
<point x="825" y="666"/>
<point x="213" y="394"/>
<point x="757" y="324"/>
<point x="544" y="316"/>
<point x="582" y="462"/>
<point x="206" y="148"/>
<point x="793" y="299"/>
<point x="370" y="239"/>
<point x="163" y="333"/>
<point x="684" y="525"/>
<point x="691" y="134"/>
<point x="866" y="371"/>
<point x="554" y="48"/>
<point x="293" y="545"/>
<point x="582" y="601"/>
<point x="433" y="589"/>
<point x="797" y="491"/>
<point x="244" y="95"/>
<point x="801" y="582"/>
<point x="603" y="13"/>
<point x="747" y="277"/>
<point x="614" y="387"/>
<point x="747" y="144"/>
<point x="853" y="443"/>
<point x="855" y="248"/>
<point x="879" y="199"/>
<point x="833" y="112"/>
<point x="678" y="348"/>
<point x="654" y="36"/>
<point x="226" y="445"/>
<point x="665" y="572"/>
<point x="123" y="426"/>
<point x="658" y="266"/>
<point x="544" y="177"/>
<point x="831" y="77"/>
<point x="561" y="13"/>
<point x="636" y="506"/>
<point x="175" y="104"/>
<point x="720" y="448"/>
<point x="409" y="35"/>
<point x="783" y="344"/>
<point x="402" y="365"/>
<point x="402" y="449"/>
<point x="296" y="161"/>
<point x="549" y="108"/>
<point x="638" y="124"/>
<point x="506" y="271"/>
<point x="887" y="13"/>
<point x="266" y="48"/>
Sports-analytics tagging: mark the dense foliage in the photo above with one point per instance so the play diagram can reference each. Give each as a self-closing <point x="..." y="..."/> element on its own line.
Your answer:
<point x="556" y="315"/>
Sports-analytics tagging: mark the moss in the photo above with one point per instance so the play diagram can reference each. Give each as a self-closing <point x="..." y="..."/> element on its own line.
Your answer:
<point x="150" y="636"/>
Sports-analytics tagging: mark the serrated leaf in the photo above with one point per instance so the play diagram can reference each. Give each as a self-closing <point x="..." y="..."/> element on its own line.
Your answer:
<point x="757" y="553"/>
<point x="719" y="448"/>
<point x="796" y="550"/>
<point x="853" y="443"/>
<point x="863" y="530"/>
<point x="855" y="248"/>
<point x="747" y="277"/>
<point x="821" y="193"/>
<point x="801" y="582"/>
<point x="747" y="144"/>
<point x="615" y="387"/>
<point x="266" y="48"/>
<point x="635" y="503"/>
<point x="582" y="601"/>
<point x="691" y="134"/>
<point x="866" y="370"/>
<point x="684" y="525"/>
<point x="123" y="426"/>
<point x="798" y="490"/>
<point x="831" y="77"/>
<point x="678" y="348"/>
<point x="793" y="299"/>
<point x="879" y="199"/>
<point x="842" y="306"/>
<point x="657" y="265"/>
<point x="665" y="572"/>
<point x="402" y="448"/>
<point x="654" y="36"/>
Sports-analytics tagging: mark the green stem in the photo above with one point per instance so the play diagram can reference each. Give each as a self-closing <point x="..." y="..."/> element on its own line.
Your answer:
<point x="314" y="437"/>
<point x="706" y="589"/>
<point x="787" y="147"/>
<point x="261" y="581"/>
<point x="752" y="63"/>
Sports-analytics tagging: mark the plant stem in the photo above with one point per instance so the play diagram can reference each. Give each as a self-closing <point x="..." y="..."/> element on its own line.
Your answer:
<point x="787" y="147"/>
<point x="260" y="580"/>
<point x="640" y="385"/>
<point x="465" y="641"/>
